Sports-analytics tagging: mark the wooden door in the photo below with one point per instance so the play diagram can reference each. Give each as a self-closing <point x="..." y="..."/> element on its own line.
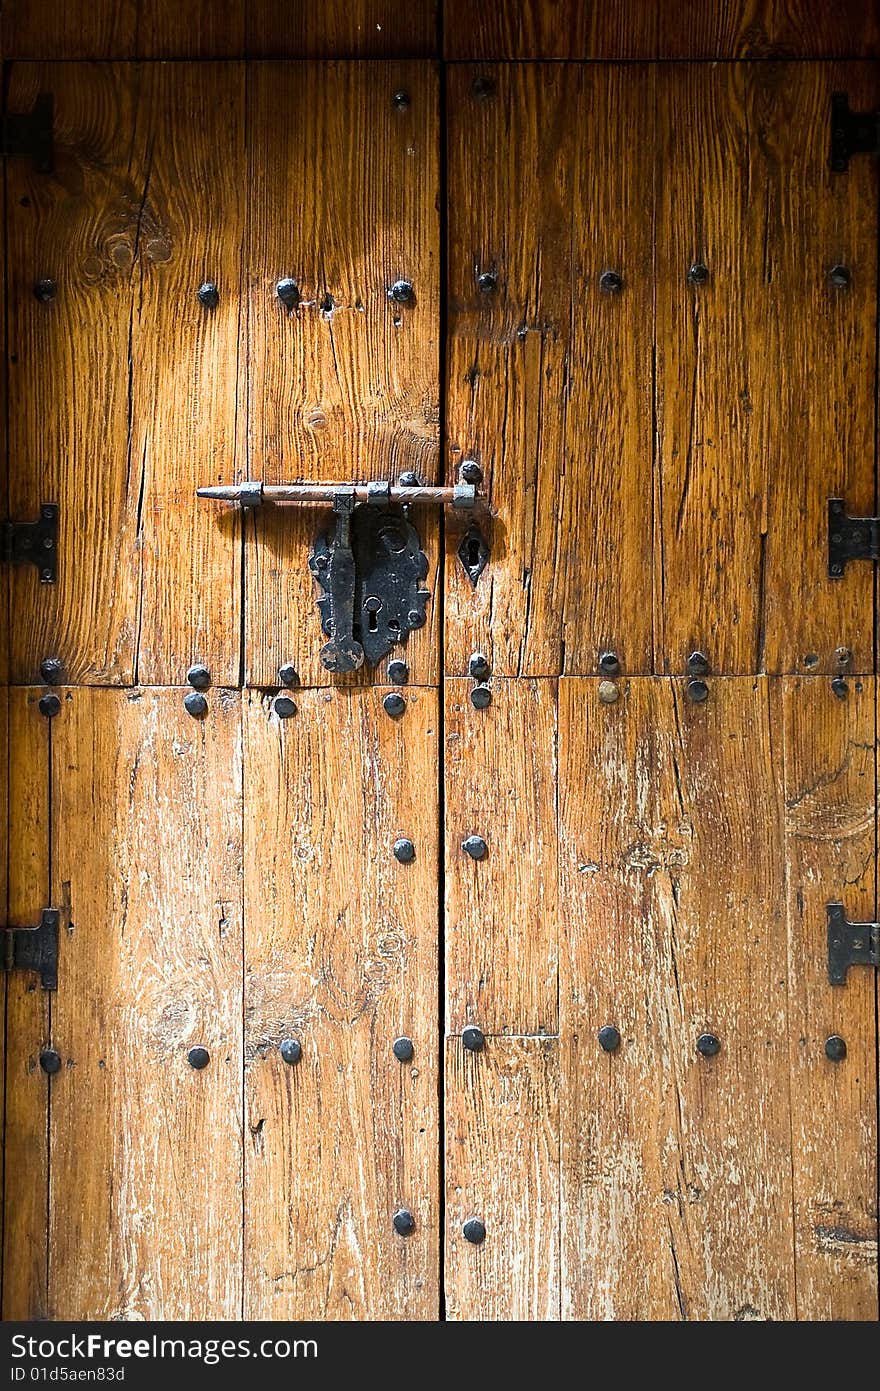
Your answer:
<point x="567" y="1057"/>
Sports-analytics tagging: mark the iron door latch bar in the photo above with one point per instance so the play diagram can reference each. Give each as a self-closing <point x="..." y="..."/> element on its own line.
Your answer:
<point x="31" y="134"/>
<point x="852" y="132"/>
<point x="34" y="543"/>
<point x="35" y="948"/>
<point x="850" y="538"/>
<point x="849" y="944"/>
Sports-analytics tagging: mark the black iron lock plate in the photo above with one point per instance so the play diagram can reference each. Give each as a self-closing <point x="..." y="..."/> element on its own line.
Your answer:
<point x="34" y="543"/>
<point x="852" y="132"/>
<point x="31" y="134"/>
<point x="849" y="944"/>
<point x="35" y="948"/>
<point x="850" y="538"/>
<point x="371" y="569"/>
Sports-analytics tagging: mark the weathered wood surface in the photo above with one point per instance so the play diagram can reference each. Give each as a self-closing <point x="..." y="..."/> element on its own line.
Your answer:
<point x="501" y="912"/>
<point x="346" y="385"/>
<point x="502" y="1166"/>
<point x="719" y="29"/>
<point x="341" y="955"/>
<point x="233" y="29"/>
<point x="123" y="388"/>
<point x="830" y="827"/>
<point x="27" y="1019"/>
<point x="145" y="1208"/>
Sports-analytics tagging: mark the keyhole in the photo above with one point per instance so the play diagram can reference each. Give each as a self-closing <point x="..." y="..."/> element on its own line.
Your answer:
<point x="373" y="623"/>
<point x="371" y="609"/>
<point x="473" y="551"/>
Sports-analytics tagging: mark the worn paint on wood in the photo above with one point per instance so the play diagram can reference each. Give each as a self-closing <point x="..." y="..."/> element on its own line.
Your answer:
<point x="676" y="1167"/>
<point x="144" y="205"/>
<point x="501" y="911"/>
<point x="26" y="1160"/>
<point x="145" y="1151"/>
<point x="502" y="1166"/>
<point x="341" y="955"/>
<point x="830" y="825"/>
<point x="343" y="198"/>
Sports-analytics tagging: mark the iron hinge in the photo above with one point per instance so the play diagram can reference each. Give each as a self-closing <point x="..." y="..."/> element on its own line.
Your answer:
<point x="35" y="948"/>
<point x="32" y="134"/>
<point x="852" y="132"/>
<point x="34" y="543"/>
<point x="849" y="944"/>
<point x="850" y="538"/>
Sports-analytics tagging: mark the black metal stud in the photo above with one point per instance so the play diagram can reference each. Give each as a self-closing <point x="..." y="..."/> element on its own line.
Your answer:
<point x="609" y="664"/>
<point x="45" y="291"/>
<point x="473" y="1039"/>
<point x="401" y="292"/>
<point x="476" y="847"/>
<point x="697" y="691"/>
<point x="708" y="1045"/>
<point x="290" y="1050"/>
<point x="199" y="676"/>
<point x="400" y="100"/>
<point x="284" y="707"/>
<point x="198" y="1058"/>
<point x="404" y="1222"/>
<point x="835" y="1048"/>
<point x="478" y="666"/>
<point x="195" y="704"/>
<point x="398" y="672"/>
<point x="208" y="295"/>
<point x="470" y="471"/>
<point x="839" y="688"/>
<point x="487" y="281"/>
<point x="839" y="277"/>
<point x="610" y="283"/>
<point x="698" y="273"/>
<point x="50" y="1061"/>
<point x="403" y="1049"/>
<point x="483" y="88"/>
<point x="843" y="657"/>
<point x="698" y="664"/>
<point x="404" y="851"/>
<point x="288" y="676"/>
<point x="609" y="1038"/>
<point x="52" y="670"/>
<point x="49" y="705"/>
<point x="481" y="697"/>
<point x="474" y="1231"/>
<point x="287" y="291"/>
<point x="409" y="479"/>
<point x="394" y="705"/>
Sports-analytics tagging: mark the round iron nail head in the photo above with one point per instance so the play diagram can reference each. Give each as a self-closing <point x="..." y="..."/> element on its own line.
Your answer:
<point x="195" y="704"/>
<point x="394" y="705"/>
<point x="476" y="847"/>
<point x="199" y="676"/>
<point x="404" y="851"/>
<point x="835" y="1048"/>
<point x="474" y="1231"/>
<point x="478" y="666"/>
<point x="50" y="1061"/>
<point x="697" y="691"/>
<point x="609" y="1038"/>
<point x="398" y="672"/>
<point x="403" y="1049"/>
<point x="481" y="697"/>
<point x="608" y="692"/>
<point x="208" y="295"/>
<point x="198" y="1058"/>
<point x="288" y="676"/>
<point x="404" y="1222"/>
<point x="287" y="291"/>
<point x="470" y="471"/>
<point x="49" y="705"/>
<point x="290" y="1050"/>
<point x="708" y="1045"/>
<point x="473" y="1039"/>
<point x="284" y="707"/>
<point x="52" y="670"/>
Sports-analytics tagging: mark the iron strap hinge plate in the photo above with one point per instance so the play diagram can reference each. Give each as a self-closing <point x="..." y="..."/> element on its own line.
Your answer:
<point x="852" y="132"/>
<point x="850" y="538"/>
<point x="35" y="948"/>
<point x="34" y="543"/>
<point x="31" y="134"/>
<point x="849" y="944"/>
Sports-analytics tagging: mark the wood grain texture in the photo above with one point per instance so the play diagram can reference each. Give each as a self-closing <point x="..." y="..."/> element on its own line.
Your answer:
<point x="26" y="1158"/>
<point x="764" y="373"/>
<point x="501" y="912"/>
<point x="342" y="29"/>
<point x="676" y="1168"/>
<point x="341" y="954"/>
<point x="343" y="197"/>
<point x="830" y="825"/>
<point x="123" y="393"/>
<point x="549" y="377"/>
<point x="146" y="1151"/>
<point x="719" y="29"/>
<point x="502" y="1166"/>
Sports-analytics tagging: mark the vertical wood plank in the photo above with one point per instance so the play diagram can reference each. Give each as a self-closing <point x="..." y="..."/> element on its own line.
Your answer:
<point x="146" y="1151"/>
<point x="550" y="375"/>
<point x="532" y="29"/>
<point x="758" y="367"/>
<point x="342" y="29"/>
<point x="502" y="1167"/>
<point x="341" y="956"/>
<point x="676" y="1168"/>
<point x="343" y="198"/>
<point x="830" y="828"/>
<point x="501" y="911"/>
<point x="144" y="205"/>
<point x="26" y="1158"/>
